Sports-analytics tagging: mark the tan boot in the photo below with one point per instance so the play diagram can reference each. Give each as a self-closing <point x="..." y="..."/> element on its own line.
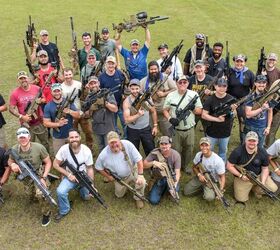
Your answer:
<point x="139" y="204"/>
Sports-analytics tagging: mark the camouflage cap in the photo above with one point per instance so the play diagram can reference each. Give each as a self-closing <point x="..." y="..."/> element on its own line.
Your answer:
<point x="22" y="74"/>
<point x="205" y="140"/>
<point x="22" y="132"/>
<point x="44" y="33"/>
<point x="42" y="52"/>
<point x="112" y="136"/>
<point x="165" y="140"/>
<point x="56" y="86"/>
<point x="272" y="56"/>
<point x="251" y="135"/>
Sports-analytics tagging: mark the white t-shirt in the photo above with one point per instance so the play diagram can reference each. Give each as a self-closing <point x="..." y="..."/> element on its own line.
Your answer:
<point x="84" y="156"/>
<point x="67" y="90"/>
<point x="116" y="161"/>
<point x="176" y="67"/>
<point x="213" y="164"/>
<point x="274" y="151"/>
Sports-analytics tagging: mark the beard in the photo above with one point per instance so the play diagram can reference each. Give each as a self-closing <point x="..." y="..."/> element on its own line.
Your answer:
<point x="217" y="56"/>
<point x="75" y="144"/>
<point x="154" y="77"/>
<point x="41" y="63"/>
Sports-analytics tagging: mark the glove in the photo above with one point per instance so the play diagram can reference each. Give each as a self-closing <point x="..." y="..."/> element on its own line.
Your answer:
<point x="140" y="180"/>
<point x="174" y="121"/>
<point x="157" y="164"/>
<point x="192" y="107"/>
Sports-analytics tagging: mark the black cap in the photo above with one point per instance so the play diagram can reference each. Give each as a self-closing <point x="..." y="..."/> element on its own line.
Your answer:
<point x="163" y="46"/>
<point x="221" y="81"/>
<point x="261" y="78"/>
<point x="105" y="30"/>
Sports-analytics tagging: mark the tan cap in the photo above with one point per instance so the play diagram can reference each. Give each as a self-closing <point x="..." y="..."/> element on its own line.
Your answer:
<point x="42" y="52"/>
<point x="22" y="74"/>
<point x="251" y="135"/>
<point x="44" y="32"/>
<point x="111" y="59"/>
<point x="205" y="140"/>
<point x="183" y="77"/>
<point x="112" y="136"/>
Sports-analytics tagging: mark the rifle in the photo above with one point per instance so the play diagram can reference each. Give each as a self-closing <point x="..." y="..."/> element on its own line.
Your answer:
<point x="93" y="96"/>
<point x="73" y="54"/>
<point x="29" y="64"/>
<point x="167" y="61"/>
<point x="212" y="183"/>
<point x="96" y="38"/>
<point x="227" y="69"/>
<point x="140" y="19"/>
<point x="120" y="181"/>
<point x="140" y="102"/>
<point x="1" y="196"/>
<point x="27" y="169"/>
<point x="206" y="51"/>
<point x="254" y="180"/>
<point x="84" y="181"/>
<point x="31" y="36"/>
<point x="261" y="62"/>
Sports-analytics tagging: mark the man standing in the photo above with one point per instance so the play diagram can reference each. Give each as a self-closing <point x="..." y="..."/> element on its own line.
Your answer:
<point x="20" y="98"/>
<point x="107" y="45"/>
<point x="166" y="86"/>
<point x="175" y="70"/>
<point x="60" y="126"/>
<point x="184" y="130"/>
<point x="136" y="59"/>
<point x="163" y="154"/>
<point x="219" y="128"/>
<point x="217" y="64"/>
<point x="211" y="163"/>
<point x="138" y="121"/>
<point x="122" y="158"/>
<point x="3" y="108"/>
<point x="75" y="153"/>
<point x="38" y="156"/>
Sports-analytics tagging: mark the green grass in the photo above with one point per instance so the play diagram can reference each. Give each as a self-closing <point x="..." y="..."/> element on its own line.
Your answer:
<point x="194" y="224"/>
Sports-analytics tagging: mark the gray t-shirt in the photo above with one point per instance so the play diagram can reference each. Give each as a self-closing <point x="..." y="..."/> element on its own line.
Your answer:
<point x="116" y="161"/>
<point x="107" y="48"/>
<point x="274" y="151"/>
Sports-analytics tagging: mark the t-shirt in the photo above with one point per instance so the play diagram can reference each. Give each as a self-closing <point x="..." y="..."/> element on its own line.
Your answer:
<point x="107" y="48"/>
<point x="2" y="120"/>
<point x="272" y="76"/>
<point x="52" y="50"/>
<point x="82" y="55"/>
<point x="214" y="164"/>
<point x="116" y="161"/>
<point x="240" y="156"/>
<point x="214" y="67"/>
<point x="196" y="85"/>
<point x="87" y="71"/>
<point x="173" y="160"/>
<point x="35" y="155"/>
<point x="84" y="157"/>
<point x="68" y="89"/>
<point x="20" y="99"/>
<point x="136" y="65"/>
<point x="50" y="112"/>
<point x="109" y="82"/>
<point x="3" y="161"/>
<point x="218" y="129"/>
<point x="172" y="101"/>
<point x="274" y="151"/>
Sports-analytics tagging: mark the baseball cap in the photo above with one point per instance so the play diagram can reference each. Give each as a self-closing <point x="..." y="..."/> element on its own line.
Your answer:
<point x="91" y="53"/>
<point x="42" y="52"/>
<point x="183" y="77"/>
<point x="205" y="140"/>
<point x="22" y="132"/>
<point x="198" y="62"/>
<point x="105" y="30"/>
<point x="56" y="86"/>
<point x="163" y="46"/>
<point x="261" y="78"/>
<point x="93" y="78"/>
<point x="134" y="41"/>
<point x="272" y="56"/>
<point x="200" y="36"/>
<point x="134" y="82"/>
<point x="221" y="82"/>
<point x="44" y="32"/>
<point x="22" y="74"/>
<point x="165" y="139"/>
<point x="251" y="135"/>
<point x="112" y="136"/>
<point x="239" y="57"/>
<point x="111" y="59"/>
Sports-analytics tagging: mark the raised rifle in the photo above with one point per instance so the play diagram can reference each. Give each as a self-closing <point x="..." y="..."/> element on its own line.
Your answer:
<point x="261" y="62"/>
<point x="254" y="180"/>
<point x="27" y="169"/>
<point x="167" y="61"/>
<point x="212" y="183"/>
<point x="123" y="183"/>
<point x="227" y="69"/>
<point x="73" y="54"/>
<point x="31" y="36"/>
<point x="84" y="181"/>
<point x="96" y="38"/>
<point x="206" y="52"/>
<point x="32" y="68"/>
<point x="140" y="19"/>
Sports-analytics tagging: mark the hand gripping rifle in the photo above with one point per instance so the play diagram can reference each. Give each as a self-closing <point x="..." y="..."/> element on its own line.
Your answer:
<point x="167" y="61"/>
<point x="73" y="54"/>
<point x="140" y="101"/>
<point x="84" y="181"/>
<point x="140" y="19"/>
<point x="254" y="180"/>
<point x="120" y="181"/>
<point x="261" y="62"/>
<point x="28" y="170"/>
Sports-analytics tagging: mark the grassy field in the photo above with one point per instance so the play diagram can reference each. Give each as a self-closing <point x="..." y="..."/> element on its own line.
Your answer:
<point x="194" y="224"/>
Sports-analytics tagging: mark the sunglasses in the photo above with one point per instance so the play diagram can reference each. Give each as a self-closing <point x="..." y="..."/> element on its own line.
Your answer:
<point x="23" y="133"/>
<point x="183" y="82"/>
<point x="222" y="85"/>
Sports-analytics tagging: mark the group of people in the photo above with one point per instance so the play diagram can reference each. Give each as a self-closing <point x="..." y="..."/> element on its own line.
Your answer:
<point x="149" y="103"/>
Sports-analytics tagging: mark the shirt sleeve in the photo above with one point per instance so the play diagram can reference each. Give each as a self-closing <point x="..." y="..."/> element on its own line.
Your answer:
<point x="98" y="164"/>
<point x="220" y="166"/>
<point x="274" y="149"/>
<point x="145" y="50"/>
<point x="2" y="101"/>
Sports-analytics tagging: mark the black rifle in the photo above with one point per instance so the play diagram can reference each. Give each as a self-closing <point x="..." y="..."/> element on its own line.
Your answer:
<point x="31" y="36"/>
<point x="73" y="54"/>
<point x="93" y="96"/>
<point x="27" y="169"/>
<point x="227" y="69"/>
<point x="32" y="68"/>
<point x="206" y="51"/>
<point x="120" y="181"/>
<point x="261" y="62"/>
<point x="254" y="180"/>
<point x="96" y="38"/>
<point x="167" y="61"/>
<point x="84" y="181"/>
<point x="1" y="196"/>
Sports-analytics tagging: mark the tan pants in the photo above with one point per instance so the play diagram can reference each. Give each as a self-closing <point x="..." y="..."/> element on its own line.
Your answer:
<point x="243" y="188"/>
<point x="57" y="144"/>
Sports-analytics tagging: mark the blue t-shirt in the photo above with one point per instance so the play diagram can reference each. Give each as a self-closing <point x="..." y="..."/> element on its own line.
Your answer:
<point x="110" y="82"/>
<point x="137" y="67"/>
<point x="50" y="113"/>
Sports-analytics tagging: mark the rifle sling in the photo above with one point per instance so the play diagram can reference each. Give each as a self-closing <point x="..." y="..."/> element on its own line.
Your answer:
<point x="250" y="160"/>
<point x="179" y="103"/>
<point x="75" y="159"/>
<point x="126" y="158"/>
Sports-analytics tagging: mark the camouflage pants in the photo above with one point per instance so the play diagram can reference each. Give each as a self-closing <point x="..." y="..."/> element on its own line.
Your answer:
<point x="41" y="133"/>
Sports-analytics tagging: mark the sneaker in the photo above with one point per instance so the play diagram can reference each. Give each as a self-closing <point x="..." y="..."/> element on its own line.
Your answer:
<point x="139" y="204"/>
<point x="46" y="220"/>
<point x="59" y="217"/>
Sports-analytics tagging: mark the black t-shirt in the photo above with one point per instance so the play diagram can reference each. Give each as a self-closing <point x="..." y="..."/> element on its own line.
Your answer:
<point x="3" y="161"/>
<point x="188" y="55"/>
<point x="218" y="129"/>
<point x="2" y="120"/>
<point x="240" y="156"/>
<point x="52" y="50"/>
<point x="238" y="90"/>
<point x="214" y="66"/>
<point x="199" y="84"/>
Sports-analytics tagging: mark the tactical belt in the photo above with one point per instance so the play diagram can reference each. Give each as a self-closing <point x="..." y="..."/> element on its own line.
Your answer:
<point x="184" y="130"/>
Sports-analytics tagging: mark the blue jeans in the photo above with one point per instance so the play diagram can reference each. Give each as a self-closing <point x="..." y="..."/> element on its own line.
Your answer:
<point x="120" y="115"/>
<point x="222" y="144"/>
<point x="259" y="131"/>
<point x="158" y="190"/>
<point x="62" y="194"/>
